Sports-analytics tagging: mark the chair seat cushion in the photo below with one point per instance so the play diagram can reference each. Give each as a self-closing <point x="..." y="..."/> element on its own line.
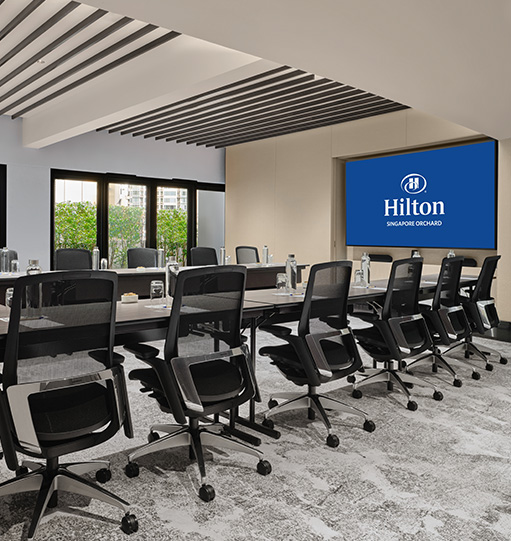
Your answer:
<point x="69" y="413"/>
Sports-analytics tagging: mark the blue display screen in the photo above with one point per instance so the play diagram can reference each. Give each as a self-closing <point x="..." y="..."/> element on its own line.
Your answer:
<point x="441" y="198"/>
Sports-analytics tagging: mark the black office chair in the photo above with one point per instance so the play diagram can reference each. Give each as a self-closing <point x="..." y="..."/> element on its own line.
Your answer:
<point x="446" y="318"/>
<point x="398" y="332"/>
<point x="142" y="257"/>
<point x="73" y="259"/>
<point x="205" y="367"/>
<point x="482" y="314"/>
<point x="247" y="254"/>
<point x="53" y="403"/>
<point x="202" y="255"/>
<point x="323" y="349"/>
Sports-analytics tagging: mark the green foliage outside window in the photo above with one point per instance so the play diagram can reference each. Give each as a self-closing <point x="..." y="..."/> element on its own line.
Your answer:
<point x="75" y="227"/>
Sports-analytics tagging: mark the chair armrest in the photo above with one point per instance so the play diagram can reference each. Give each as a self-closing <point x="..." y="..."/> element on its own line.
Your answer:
<point x="314" y="343"/>
<point x="142" y="352"/>
<point x="277" y="330"/>
<point x="181" y="369"/>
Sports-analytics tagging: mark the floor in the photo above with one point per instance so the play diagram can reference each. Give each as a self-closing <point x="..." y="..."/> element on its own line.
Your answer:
<point x="442" y="472"/>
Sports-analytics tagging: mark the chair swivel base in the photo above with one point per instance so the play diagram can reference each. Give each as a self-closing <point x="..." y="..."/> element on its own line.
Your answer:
<point x="195" y="437"/>
<point x="47" y="479"/>
<point x="472" y="352"/>
<point x="393" y="378"/>
<point x="435" y="359"/>
<point x="316" y="404"/>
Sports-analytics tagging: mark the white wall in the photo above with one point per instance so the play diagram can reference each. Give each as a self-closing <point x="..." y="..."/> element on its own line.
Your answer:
<point x="28" y="175"/>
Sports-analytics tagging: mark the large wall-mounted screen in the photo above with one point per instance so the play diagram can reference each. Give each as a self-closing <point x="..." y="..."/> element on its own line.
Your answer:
<point x="442" y="198"/>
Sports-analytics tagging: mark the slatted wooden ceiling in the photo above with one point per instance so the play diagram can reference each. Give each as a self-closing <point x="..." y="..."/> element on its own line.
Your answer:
<point x="51" y="47"/>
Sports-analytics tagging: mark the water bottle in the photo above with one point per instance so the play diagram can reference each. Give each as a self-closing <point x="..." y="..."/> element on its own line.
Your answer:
<point x="291" y="272"/>
<point x="4" y="265"/>
<point x="365" y="264"/>
<point x="451" y="253"/>
<point x="222" y="255"/>
<point x="161" y="258"/>
<point x="265" y="255"/>
<point x="95" y="258"/>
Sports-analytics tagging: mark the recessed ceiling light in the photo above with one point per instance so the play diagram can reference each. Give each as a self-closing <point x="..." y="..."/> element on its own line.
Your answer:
<point x="40" y="61"/>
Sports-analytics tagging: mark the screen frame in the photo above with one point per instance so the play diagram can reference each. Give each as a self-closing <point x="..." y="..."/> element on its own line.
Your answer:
<point x="402" y="152"/>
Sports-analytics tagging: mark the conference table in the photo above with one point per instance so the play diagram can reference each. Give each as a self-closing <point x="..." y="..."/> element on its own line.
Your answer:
<point x="145" y="321"/>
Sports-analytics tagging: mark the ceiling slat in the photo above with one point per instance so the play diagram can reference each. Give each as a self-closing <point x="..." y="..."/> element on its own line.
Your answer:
<point x="39" y="31"/>
<point x="54" y="44"/>
<point x="334" y="119"/>
<point x="128" y="122"/>
<point x="190" y="115"/>
<point x="22" y="15"/>
<point x="304" y="114"/>
<point x="293" y="112"/>
<point x="155" y="43"/>
<point x="253" y="86"/>
<point x="54" y="65"/>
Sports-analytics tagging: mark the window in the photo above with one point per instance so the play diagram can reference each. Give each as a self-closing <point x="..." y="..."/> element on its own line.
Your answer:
<point x="116" y="212"/>
<point x="75" y="214"/>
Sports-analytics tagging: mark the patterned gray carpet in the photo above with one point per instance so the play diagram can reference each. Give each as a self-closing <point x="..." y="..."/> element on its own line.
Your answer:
<point x="442" y="472"/>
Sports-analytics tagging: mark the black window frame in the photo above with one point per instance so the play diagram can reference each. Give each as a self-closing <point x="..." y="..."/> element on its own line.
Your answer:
<point x="103" y="181"/>
<point x="3" y="204"/>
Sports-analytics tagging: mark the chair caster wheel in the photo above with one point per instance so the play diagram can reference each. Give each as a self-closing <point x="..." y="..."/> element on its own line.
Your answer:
<point x="311" y="414"/>
<point x="356" y="393"/>
<point x="476" y="375"/>
<point x="268" y="423"/>
<point x="129" y="524"/>
<point x="369" y="425"/>
<point x="206" y="493"/>
<point x="272" y="403"/>
<point x="103" y="475"/>
<point x="351" y="379"/>
<point x="467" y="354"/>
<point x="22" y="470"/>
<point x="408" y="385"/>
<point x="503" y="360"/>
<point x="457" y="383"/>
<point x="263" y="467"/>
<point x="131" y="470"/>
<point x="412" y="405"/>
<point x="437" y="395"/>
<point x="434" y="368"/>
<point x="153" y="436"/>
<point x="403" y="365"/>
<point x="332" y="440"/>
<point x="489" y="367"/>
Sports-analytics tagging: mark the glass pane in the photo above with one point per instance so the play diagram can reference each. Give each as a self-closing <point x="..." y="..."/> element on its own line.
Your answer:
<point x="210" y="218"/>
<point x="126" y="222"/>
<point x="172" y="222"/>
<point x="75" y="214"/>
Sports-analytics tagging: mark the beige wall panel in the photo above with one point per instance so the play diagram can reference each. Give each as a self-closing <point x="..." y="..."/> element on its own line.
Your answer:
<point x="250" y="196"/>
<point x="423" y="129"/>
<point x="372" y="135"/>
<point x="502" y="288"/>
<point x="303" y="196"/>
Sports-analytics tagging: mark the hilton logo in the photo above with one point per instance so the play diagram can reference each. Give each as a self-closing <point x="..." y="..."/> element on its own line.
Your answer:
<point x="413" y="184"/>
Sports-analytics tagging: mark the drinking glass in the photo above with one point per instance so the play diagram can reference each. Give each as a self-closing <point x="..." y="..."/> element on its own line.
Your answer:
<point x="104" y="263"/>
<point x="282" y="283"/>
<point x="15" y="265"/>
<point x="156" y="291"/>
<point x="9" y="292"/>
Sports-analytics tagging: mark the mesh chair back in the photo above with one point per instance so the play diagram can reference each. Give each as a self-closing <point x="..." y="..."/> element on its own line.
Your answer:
<point x="247" y="254"/>
<point x="206" y="318"/>
<point x="73" y="259"/>
<point x="482" y="290"/>
<point x="202" y="255"/>
<point x="59" y="371"/>
<point x="142" y="257"/>
<point x="447" y="289"/>
<point x="402" y="296"/>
